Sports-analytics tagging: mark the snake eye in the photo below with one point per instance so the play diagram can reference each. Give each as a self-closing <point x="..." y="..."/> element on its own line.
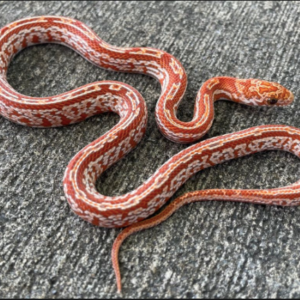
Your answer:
<point x="272" y="101"/>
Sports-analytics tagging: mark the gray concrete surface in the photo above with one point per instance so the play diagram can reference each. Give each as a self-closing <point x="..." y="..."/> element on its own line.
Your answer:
<point x="207" y="250"/>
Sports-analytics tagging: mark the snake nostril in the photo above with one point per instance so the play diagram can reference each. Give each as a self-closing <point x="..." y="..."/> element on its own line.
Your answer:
<point x="272" y="101"/>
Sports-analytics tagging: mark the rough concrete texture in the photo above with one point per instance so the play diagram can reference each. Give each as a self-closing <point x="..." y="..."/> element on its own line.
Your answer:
<point x="208" y="250"/>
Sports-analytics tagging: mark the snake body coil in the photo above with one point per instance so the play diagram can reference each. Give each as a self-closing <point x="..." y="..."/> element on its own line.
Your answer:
<point x="95" y="98"/>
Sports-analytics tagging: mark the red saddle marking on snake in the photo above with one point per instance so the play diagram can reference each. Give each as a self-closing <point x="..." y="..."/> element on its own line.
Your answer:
<point x="95" y="98"/>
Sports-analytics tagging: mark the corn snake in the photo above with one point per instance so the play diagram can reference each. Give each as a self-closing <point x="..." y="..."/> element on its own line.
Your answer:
<point x="81" y="103"/>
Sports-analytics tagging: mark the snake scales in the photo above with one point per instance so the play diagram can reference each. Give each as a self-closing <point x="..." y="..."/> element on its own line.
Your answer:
<point x="110" y="96"/>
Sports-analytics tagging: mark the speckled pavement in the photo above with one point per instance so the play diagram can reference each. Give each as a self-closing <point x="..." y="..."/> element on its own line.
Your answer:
<point x="205" y="250"/>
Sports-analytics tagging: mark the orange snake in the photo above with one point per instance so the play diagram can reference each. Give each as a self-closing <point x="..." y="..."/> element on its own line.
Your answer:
<point x="95" y="98"/>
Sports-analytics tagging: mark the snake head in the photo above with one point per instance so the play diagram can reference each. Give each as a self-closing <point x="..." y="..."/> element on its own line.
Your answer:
<point x="263" y="93"/>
